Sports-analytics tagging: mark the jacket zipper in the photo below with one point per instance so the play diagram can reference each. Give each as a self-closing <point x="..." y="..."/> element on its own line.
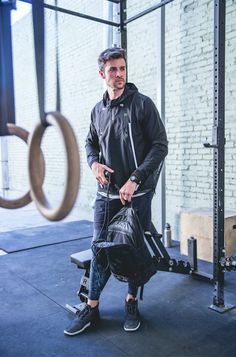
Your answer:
<point x="132" y="145"/>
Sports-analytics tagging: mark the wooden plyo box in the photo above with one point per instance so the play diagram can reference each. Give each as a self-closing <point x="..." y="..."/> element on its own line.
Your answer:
<point x="198" y="223"/>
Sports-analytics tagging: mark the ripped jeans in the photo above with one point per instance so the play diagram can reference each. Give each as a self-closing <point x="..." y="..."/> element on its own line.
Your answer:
<point x="98" y="278"/>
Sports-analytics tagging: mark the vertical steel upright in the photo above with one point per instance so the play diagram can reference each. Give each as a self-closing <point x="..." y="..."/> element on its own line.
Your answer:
<point x="160" y="199"/>
<point x="123" y="29"/>
<point x="218" y="146"/>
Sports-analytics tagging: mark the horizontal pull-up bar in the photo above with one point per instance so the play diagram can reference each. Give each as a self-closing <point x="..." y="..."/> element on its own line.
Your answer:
<point x="96" y="19"/>
<point x="115" y="1"/>
<point x="78" y="14"/>
<point x="147" y="11"/>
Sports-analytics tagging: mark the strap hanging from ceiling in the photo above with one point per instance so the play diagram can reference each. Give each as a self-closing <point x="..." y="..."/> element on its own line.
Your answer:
<point x="58" y="89"/>
<point x="39" y="49"/>
<point x="7" y="102"/>
<point x="53" y="118"/>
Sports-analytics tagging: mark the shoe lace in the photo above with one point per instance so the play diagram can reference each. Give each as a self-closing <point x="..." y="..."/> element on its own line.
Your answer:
<point x="84" y="312"/>
<point x="132" y="307"/>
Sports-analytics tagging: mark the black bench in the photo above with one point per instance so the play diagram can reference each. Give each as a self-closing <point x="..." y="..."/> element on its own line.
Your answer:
<point x="83" y="261"/>
<point x="162" y="260"/>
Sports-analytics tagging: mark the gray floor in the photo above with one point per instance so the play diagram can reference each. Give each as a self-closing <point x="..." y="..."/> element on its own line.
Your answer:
<point x="37" y="283"/>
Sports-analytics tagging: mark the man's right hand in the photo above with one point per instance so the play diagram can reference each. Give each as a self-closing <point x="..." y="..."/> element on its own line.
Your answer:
<point x="98" y="171"/>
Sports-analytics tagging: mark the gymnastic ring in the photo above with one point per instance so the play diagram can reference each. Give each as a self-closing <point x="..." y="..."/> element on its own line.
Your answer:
<point x="73" y="168"/>
<point x="26" y="198"/>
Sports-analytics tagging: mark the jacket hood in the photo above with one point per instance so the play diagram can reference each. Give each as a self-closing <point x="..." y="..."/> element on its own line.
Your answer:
<point x="130" y="90"/>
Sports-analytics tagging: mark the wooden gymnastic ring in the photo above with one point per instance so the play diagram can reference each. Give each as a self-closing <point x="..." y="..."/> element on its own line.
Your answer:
<point x="26" y="198"/>
<point x="73" y="168"/>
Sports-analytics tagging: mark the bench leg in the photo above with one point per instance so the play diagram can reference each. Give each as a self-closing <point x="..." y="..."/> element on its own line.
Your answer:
<point x="74" y="309"/>
<point x="82" y="293"/>
<point x="84" y="286"/>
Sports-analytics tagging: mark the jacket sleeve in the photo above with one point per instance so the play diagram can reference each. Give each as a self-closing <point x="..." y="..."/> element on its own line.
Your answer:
<point x="92" y="142"/>
<point x="155" y="138"/>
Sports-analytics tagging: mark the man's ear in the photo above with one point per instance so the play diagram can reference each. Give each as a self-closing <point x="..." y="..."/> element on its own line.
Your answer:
<point x="101" y="73"/>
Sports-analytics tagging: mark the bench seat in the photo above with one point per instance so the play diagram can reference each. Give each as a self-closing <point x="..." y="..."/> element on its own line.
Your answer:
<point x="82" y="259"/>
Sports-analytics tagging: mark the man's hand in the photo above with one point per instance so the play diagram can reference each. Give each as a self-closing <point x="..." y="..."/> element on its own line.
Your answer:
<point x="98" y="171"/>
<point x="127" y="191"/>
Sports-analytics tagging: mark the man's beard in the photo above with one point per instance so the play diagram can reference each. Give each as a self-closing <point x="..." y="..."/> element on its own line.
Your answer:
<point x="119" y="84"/>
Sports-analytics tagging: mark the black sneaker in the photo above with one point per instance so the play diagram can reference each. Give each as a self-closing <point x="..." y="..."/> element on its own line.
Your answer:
<point x="132" y="317"/>
<point x="85" y="318"/>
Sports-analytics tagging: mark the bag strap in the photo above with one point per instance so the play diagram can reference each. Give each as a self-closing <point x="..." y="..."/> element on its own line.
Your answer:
<point x="106" y="215"/>
<point x="108" y="176"/>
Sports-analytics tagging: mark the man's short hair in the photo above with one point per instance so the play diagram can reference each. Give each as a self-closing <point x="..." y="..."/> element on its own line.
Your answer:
<point x="110" y="53"/>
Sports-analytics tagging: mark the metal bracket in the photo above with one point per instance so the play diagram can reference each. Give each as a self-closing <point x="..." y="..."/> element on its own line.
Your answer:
<point x="210" y="146"/>
<point x="173" y="266"/>
<point x="229" y="263"/>
<point x="215" y="138"/>
<point x="192" y="258"/>
<point x="221" y="309"/>
<point x="75" y="308"/>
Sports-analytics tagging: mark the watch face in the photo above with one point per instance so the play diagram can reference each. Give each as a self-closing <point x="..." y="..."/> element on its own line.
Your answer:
<point x="133" y="179"/>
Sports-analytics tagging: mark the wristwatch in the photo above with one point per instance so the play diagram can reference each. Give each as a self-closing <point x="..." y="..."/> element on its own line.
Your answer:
<point x="135" y="179"/>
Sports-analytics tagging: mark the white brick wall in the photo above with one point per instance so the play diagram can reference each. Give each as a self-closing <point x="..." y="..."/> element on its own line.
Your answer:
<point x="189" y="103"/>
<point x="189" y="96"/>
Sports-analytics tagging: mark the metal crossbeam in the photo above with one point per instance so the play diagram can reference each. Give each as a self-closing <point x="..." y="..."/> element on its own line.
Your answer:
<point x="115" y="1"/>
<point x="75" y="13"/>
<point x="147" y="11"/>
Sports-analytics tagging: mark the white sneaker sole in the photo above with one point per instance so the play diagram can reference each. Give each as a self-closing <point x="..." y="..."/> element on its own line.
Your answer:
<point x="77" y="332"/>
<point x="133" y="329"/>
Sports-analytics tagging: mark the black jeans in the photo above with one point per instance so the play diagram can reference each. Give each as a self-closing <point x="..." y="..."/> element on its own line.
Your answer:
<point x="102" y="215"/>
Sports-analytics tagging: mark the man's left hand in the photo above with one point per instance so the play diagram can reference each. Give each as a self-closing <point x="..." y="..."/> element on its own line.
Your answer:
<point x="127" y="190"/>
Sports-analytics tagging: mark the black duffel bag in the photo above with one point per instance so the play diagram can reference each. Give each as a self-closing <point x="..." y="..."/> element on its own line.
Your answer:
<point x="127" y="254"/>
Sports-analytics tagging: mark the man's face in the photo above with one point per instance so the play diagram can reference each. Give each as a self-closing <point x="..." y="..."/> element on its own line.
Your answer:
<point x="114" y="73"/>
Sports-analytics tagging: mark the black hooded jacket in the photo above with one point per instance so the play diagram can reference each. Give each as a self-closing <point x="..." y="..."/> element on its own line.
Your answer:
<point x="127" y="135"/>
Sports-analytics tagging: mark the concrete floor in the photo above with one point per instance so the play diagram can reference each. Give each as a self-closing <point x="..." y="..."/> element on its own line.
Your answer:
<point x="37" y="282"/>
<point x="26" y="217"/>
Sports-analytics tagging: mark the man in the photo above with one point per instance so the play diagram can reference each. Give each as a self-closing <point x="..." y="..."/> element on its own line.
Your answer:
<point x="127" y="139"/>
